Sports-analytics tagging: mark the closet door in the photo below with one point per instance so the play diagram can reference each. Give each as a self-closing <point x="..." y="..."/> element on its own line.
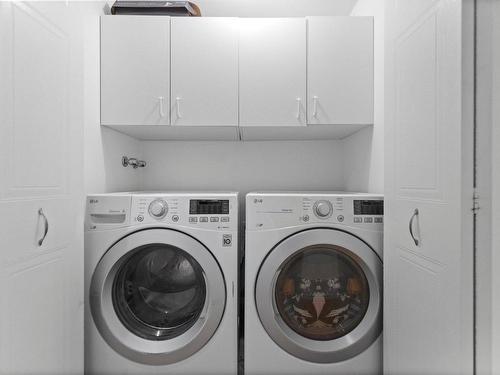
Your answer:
<point x="340" y="70"/>
<point x="135" y="70"/>
<point x="204" y="79"/>
<point x="272" y="65"/>
<point x="428" y="251"/>
<point x="41" y="197"/>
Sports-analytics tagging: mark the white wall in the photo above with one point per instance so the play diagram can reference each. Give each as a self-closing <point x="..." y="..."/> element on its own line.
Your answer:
<point x="364" y="150"/>
<point x="274" y="8"/>
<point x="103" y="147"/>
<point x="243" y="166"/>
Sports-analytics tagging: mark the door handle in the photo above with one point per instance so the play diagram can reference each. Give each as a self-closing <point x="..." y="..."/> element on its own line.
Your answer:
<point x="315" y="106"/>
<point x="162" y="112"/>
<point x="298" y="109"/>
<point x="178" y="107"/>
<point x="45" y="227"/>
<point x="410" y="227"/>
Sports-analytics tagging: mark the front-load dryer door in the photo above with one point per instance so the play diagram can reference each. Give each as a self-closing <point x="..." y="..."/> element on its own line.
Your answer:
<point x="319" y="295"/>
<point x="157" y="296"/>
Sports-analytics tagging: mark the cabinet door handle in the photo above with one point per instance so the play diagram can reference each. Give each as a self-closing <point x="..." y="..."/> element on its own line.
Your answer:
<point x="46" y="227"/>
<point x="298" y="109"/>
<point x="162" y="112"/>
<point x="315" y="106"/>
<point x="410" y="226"/>
<point x="178" y="107"/>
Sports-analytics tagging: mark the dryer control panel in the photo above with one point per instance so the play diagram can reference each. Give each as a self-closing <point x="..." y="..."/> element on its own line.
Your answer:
<point x="278" y="210"/>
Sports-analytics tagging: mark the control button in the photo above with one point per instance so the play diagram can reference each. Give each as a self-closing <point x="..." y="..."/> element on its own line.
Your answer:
<point x="224" y="219"/>
<point x="158" y="208"/>
<point x="340" y="218"/>
<point x="305" y="217"/>
<point x="358" y="220"/>
<point x="379" y="220"/>
<point x="214" y="219"/>
<point x="323" y="209"/>
<point x="368" y="219"/>
<point x="175" y="218"/>
<point x="140" y="218"/>
<point x="203" y="219"/>
<point x="193" y="219"/>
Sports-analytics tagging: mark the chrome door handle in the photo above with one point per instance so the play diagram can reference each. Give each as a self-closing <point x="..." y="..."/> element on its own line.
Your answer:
<point x="46" y="227"/>
<point x="178" y="107"/>
<point x="162" y="112"/>
<point x="315" y="106"/>
<point x="297" y="115"/>
<point x="410" y="227"/>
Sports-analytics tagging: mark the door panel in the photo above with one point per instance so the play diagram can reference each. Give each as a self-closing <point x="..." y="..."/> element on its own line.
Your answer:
<point x="340" y="70"/>
<point x="35" y="113"/>
<point x="272" y="65"/>
<point x="41" y="101"/>
<point x="428" y="276"/>
<point x="135" y="70"/>
<point x="34" y="322"/>
<point x="204" y="71"/>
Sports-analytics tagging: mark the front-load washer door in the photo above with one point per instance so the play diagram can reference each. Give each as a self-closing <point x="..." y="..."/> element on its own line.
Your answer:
<point x="157" y="296"/>
<point x="319" y="295"/>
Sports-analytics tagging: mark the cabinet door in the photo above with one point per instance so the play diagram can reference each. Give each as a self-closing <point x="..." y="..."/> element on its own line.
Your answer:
<point x="428" y="245"/>
<point x="272" y="71"/>
<point x="41" y="148"/>
<point x="135" y="70"/>
<point x="340" y="70"/>
<point x="204" y="79"/>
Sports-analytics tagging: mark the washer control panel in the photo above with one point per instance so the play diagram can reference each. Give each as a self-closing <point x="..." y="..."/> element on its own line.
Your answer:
<point x="217" y="212"/>
<point x="275" y="210"/>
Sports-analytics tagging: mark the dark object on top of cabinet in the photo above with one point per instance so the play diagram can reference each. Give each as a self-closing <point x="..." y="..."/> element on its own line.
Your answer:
<point x="156" y="8"/>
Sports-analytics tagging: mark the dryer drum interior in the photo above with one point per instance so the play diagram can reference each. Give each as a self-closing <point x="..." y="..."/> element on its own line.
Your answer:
<point x="319" y="295"/>
<point x="159" y="291"/>
<point x="322" y="293"/>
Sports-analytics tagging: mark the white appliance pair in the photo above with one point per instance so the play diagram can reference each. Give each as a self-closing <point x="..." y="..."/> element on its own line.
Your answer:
<point x="162" y="283"/>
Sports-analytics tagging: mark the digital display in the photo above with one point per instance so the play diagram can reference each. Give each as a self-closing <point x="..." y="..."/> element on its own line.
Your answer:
<point x="368" y="207"/>
<point x="208" y="207"/>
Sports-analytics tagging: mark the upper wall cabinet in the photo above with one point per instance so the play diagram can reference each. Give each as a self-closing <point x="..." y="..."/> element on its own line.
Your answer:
<point x="272" y="69"/>
<point x="135" y="70"/>
<point x="204" y="71"/>
<point x="340" y="70"/>
<point x="217" y="78"/>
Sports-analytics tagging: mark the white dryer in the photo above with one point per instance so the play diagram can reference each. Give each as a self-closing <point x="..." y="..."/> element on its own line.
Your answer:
<point x="161" y="279"/>
<point x="313" y="283"/>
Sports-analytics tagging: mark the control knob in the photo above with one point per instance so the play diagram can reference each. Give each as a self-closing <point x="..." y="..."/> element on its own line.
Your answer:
<point x="323" y="209"/>
<point x="158" y="208"/>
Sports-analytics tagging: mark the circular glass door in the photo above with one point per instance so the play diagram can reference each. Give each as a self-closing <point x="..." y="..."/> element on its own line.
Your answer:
<point x="157" y="296"/>
<point x="322" y="293"/>
<point x="319" y="296"/>
<point x="159" y="292"/>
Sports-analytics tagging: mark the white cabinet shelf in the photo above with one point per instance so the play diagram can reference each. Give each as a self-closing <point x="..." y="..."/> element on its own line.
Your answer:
<point x="211" y="78"/>
<point x="179" y="133"/>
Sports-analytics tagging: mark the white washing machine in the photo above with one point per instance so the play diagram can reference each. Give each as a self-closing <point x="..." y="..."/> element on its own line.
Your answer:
<point x="161" y="283"/>
<point x="313" y="283"/>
